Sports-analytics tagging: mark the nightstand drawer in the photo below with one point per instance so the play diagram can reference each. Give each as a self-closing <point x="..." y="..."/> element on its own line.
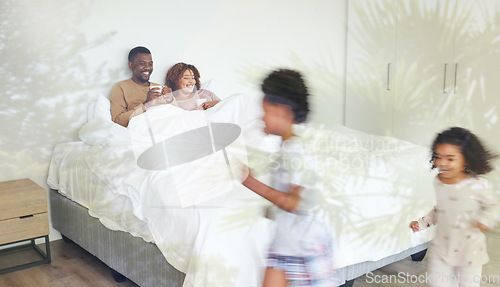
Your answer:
<point x="24" y="227"/>
<point x="21" y="197"/>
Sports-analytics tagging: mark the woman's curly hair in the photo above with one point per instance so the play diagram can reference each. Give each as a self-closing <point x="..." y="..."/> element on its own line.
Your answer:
<point x="175" y="73"/>
<point x="287" y="87"/>
<point x="478" y="159"/>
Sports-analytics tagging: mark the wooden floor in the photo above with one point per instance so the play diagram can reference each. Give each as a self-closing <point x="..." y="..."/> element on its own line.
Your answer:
<point x="73" y="266"/>
<point x="70" y="266"/>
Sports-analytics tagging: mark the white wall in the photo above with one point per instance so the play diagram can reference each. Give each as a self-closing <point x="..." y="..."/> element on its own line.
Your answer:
<point x="58" y="55"/>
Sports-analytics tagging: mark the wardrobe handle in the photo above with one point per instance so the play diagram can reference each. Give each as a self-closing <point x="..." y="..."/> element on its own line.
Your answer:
<point x="455" y="83"/>
<point x="444" y="80"/>
<point x="388" y="76"/>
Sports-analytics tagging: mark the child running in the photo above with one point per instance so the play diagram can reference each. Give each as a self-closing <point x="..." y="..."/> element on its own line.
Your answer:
<point x="464" y="209"/>
<point x="301" y="252"/>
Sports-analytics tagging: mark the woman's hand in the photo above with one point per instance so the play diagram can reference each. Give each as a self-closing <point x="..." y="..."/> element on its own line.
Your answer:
<point x="207" y="105"/>
<point x="414" y="226"/>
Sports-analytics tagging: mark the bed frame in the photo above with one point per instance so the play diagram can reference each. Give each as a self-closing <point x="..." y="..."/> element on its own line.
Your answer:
<point x="136" y="259"/>
<point x="142" y="262"/>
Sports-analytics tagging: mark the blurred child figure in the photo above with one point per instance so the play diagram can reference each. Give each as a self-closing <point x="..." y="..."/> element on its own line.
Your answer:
<point x="464" y="209"/>
<point x="301" y="252"/>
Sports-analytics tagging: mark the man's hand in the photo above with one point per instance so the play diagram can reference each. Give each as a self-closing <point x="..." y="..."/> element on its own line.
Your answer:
<point x="153" y="94"/>
<point x="167" y="95"/>
<point x="159" y="97"/>
<point x="166" y="90"/>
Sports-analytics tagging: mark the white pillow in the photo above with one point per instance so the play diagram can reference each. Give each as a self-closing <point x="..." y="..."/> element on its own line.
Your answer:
<point x="90" y="111"/>
<point x="208" y="85"/>
<point x="102" y="108"/>
<point x="99" y="109"/>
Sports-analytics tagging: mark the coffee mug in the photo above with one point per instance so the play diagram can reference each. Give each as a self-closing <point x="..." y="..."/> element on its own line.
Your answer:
<point x="200" y="101"/>
<point x="156" y="87"/>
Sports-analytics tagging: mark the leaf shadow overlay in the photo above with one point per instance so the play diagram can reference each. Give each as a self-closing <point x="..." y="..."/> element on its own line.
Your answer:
<point x="46" y="81"/>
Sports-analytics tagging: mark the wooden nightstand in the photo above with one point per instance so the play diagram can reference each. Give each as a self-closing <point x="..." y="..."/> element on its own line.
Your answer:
<point x="23" y="217"/>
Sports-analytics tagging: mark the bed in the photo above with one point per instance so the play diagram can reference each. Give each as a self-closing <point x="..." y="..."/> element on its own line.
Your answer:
<point x="209" y="230"/>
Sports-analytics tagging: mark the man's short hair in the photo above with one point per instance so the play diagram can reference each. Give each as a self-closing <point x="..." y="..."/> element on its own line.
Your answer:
<point x="139" y="49"/>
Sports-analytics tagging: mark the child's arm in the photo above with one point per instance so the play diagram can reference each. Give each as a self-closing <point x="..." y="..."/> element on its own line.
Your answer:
<point x="486" y="217"/>
<point x="424" y="222"/>
<point x="285" y="201"/>
<point x="482" y="227"/>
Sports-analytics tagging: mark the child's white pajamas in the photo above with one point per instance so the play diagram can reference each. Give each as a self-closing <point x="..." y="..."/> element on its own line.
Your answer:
<point x="458" y="243"/>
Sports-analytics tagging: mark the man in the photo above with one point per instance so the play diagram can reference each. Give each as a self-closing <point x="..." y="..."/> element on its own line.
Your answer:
<point x="133" y="96"/>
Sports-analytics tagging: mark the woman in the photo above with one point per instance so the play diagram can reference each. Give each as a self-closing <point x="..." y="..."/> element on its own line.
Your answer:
<point x="184" y="80"/>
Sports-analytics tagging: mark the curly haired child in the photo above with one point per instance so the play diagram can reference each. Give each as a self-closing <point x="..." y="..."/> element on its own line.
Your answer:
<point x="464" y="210"/>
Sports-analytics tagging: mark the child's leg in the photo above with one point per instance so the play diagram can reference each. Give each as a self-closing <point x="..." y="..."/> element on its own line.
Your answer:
<point x="274" y="277"/>
<point x="321" y="271"/>
<point x="470" y="276"/>
<point x="441" y="274"/>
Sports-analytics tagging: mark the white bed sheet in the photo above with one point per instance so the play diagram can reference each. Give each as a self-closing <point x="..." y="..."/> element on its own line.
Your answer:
<point x="70" y="175"/>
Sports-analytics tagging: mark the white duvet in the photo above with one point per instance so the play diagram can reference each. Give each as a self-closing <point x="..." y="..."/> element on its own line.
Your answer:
<point x="212" y="228"/>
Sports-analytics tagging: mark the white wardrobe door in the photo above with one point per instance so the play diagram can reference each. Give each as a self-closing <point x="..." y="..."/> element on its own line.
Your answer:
<point x="371" y="45"/>
<point x="477" y="93"/>
<point x="424" y="57"/>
